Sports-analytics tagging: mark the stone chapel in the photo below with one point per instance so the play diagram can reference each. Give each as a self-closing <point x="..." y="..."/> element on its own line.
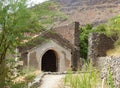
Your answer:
<point x="53" y="51"/>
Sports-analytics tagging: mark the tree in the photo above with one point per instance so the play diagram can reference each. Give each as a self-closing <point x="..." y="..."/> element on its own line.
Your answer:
<point x="84" y="32"/>
<point x="15" y="20"/>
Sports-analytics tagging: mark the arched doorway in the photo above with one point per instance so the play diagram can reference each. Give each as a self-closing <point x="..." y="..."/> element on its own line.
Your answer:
<point x="49" y="61"/>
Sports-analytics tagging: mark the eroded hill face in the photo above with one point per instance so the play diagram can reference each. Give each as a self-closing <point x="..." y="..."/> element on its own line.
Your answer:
<point x="86" y="2"/>
<point x="89" y="11"/>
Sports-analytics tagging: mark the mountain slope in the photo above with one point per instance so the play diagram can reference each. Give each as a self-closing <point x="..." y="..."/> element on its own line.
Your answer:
<point x="61" y="12"/>
<point x="48" y="13"/>
<point x="86" y="2"/>
<point x="89" y="11"/>
<point x="91" y="14"/>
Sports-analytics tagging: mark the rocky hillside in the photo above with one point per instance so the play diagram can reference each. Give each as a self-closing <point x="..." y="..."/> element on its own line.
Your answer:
<point x="88" y="11"/>
<point x="86" y="2"/>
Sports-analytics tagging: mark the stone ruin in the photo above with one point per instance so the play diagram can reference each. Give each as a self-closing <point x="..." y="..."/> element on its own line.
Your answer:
<point x="99" y="44"/>
<point x="56" y="50"/>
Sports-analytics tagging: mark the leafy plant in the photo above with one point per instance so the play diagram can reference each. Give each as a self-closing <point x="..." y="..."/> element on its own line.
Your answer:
<point x="15" y="21"/>
<point x="110" y="79"/>
<point x="84" y="32"/>
<point x="112" y="29"/>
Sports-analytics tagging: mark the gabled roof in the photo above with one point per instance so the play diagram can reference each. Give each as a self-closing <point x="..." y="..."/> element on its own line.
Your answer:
<point x="45" y="37"/>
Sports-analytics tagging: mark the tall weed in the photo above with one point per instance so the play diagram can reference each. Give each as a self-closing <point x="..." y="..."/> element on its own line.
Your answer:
<point x="87" y="78"/>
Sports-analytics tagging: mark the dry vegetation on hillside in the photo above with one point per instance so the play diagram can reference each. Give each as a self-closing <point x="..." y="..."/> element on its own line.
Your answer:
<point x="89" y="12"/>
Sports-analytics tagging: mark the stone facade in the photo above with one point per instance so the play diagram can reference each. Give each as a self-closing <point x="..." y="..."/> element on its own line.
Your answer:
<point x="60" y="44"/>
<point x="73" y="37"/>
<point x="67" y="32"/>
<point x="99" y="44"/>
<point x="51" y="45"/>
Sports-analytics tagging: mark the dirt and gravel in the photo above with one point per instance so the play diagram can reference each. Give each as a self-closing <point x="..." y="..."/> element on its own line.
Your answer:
<point x="52" y="81"/>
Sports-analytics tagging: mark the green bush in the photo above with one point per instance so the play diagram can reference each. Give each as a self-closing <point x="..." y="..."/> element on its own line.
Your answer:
<point x="111" y="29"/>
<point x="84" y="32"/>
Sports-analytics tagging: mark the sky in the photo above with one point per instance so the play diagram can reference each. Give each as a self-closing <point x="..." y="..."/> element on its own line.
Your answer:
<point x="38" y="1"/>
<point x="33" y="2"/>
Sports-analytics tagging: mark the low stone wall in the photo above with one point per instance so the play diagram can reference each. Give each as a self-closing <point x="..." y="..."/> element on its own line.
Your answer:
<point x="110" y="64"/>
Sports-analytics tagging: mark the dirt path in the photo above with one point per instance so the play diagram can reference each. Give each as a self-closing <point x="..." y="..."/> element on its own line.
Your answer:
<point x="52" y="81"/>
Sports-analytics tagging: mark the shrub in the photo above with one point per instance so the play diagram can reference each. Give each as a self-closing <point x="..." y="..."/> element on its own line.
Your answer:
<point x="84" y="32"/>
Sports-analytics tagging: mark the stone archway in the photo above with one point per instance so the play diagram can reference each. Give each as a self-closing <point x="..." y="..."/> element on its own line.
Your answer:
<point x="49" y="61"/>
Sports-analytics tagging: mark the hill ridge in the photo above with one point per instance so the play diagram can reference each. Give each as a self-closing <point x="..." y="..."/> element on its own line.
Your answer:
<point x="90" y="14"/>
<point x="86" y="2"/>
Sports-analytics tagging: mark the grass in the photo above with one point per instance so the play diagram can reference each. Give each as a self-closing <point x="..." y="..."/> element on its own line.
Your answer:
<point x="114" y="52"/>
<point x="82" y="80"/>
<point x="110" y="80"/>
<point x="19" y="85"/>
<point x="89" y="77"/>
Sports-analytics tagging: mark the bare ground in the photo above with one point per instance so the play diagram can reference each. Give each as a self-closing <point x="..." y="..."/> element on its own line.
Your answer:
<point x="52" y="81"/>
<point x="95" y="14"/>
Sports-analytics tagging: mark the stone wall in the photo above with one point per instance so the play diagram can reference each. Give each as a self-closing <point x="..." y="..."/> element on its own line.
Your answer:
<point x="24" y="58"/>
<point x="99" y="44"/>
<point x="33" y="62"/>
<point x="76" y="50"/>
<point x="109" y="65"/>
<point x="71" y="33"/>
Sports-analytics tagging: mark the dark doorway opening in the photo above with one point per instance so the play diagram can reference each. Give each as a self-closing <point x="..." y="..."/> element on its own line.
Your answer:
<point x="49" y="61"/>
